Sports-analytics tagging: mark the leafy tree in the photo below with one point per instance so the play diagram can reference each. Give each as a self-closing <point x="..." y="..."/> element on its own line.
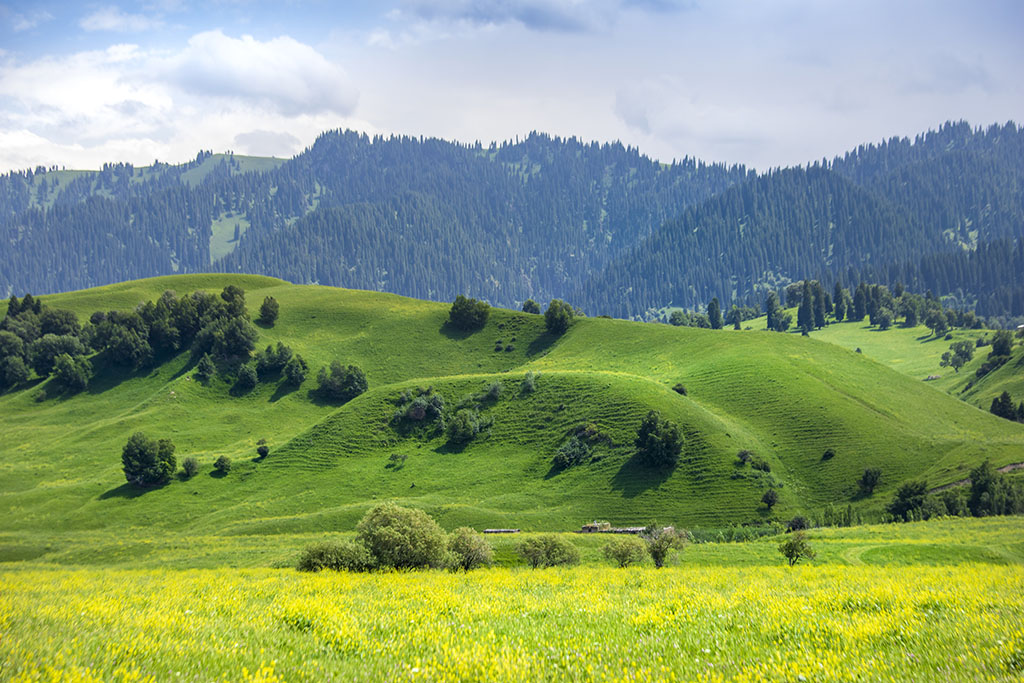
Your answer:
<point x="625" y="550"/>
<point x="146" y="461"/>
<point x="715" y="314"/>
<point x="959" y="354"/>
<point x="469" y="549"/>
<point x="272" y="359"/>
<point x="222" y="464"/>
<point x="909" y="500"/>
<point x="129" y="348"/>
<point x="59" y="322"/>
<point x="190" y="467"/>
<point x="463" y="426"/>
<point x="531" y="306"/>
<point x="548" y="550"/>
<point x="575" y="451"/>
<point x="1002" y="343"/>
<point x="468" y="314"/>
<point x="402" y="538"/>
<point x="11" y="345"/>
<point x="658" y="442"/>
<point x="295" y="370"/>
<point x="869" y="480"/>
<point x="937" y="322"/>
<point x="227" y="337"/>
<point x="45" y="350"/>
<point x="72" y="373"/>
<point x="883" y="318"/>
<point x="247" y="377"/>
<point x="558" y="317"/>
<point x="1002" y="406"/>
<point x="659" y="541"/>
<point x="205" y="369"/>
<point x="770" y="498"/>
<point x="14" y="371"/>
<point x="269" y="310"/>
<point x="234" y="297"/>
<point x="341" y="383"/>
<point x="335" y="556"/>
<point x="262" y="450"/>
<point x="795" y="548"/>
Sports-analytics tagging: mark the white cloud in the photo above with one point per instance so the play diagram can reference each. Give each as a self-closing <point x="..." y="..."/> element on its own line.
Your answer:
<point x="267" y="143"/>
<point x="24" y="22"/>
<point x="113" y="19"/>
<point x="281" y="74"/>
<point x="126" y="103"/>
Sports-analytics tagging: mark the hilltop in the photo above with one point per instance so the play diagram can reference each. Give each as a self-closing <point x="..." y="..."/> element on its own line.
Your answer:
<point x="785" y="398"/>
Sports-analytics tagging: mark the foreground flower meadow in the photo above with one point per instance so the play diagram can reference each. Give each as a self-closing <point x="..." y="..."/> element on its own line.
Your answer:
<point x="763" y="623"/>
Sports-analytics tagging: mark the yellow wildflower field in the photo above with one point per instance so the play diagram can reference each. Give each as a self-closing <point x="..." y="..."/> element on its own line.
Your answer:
<point x="816" y="623"/>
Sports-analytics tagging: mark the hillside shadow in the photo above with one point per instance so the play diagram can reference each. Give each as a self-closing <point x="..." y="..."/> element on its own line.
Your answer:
<point x="282" y="390"/>
<point x="126" y="491"/>
<point x="455" y="333"/>
<point x="634" y="477"/>
<point x="541" y="344"/>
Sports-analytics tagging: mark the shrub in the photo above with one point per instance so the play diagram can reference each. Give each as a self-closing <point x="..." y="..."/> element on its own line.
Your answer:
<point x="493" y="391"/>
<point x="469" y="549"/>
<point x="295" y="370"/>
<point x="463" y="426"/>
<point x="336" y="556"/>
<point x="658" y="442"/>
<point x="263" y="450"/>
<point x="760" y="465"/>
<point x="795" y="548"/>
<point x="190" y="467"/>
<point x="659" y="541"/>
<point x="770" y="498"/>
<point x="869" y="480"/>
<point x="341" y="383"/>
<point x="529" y="383"/>
<point x="468" y="314"/>
<point x="402" y="538"/>
<point x="531" y="306"/>
<point x="625" y="550"/>
<point x="247" y="378"/>
<point x="146" y="461"/>
<point x="573" y="452"/>
<point x="745" y="456"/>
<point x="268" y="311"/>
<point x="828" y="454"/>
<point x="798" y="523"/>
<point x="558" y="317"/>
<point x="205" y="369"/>
<point x="679" y="389"/>
<point x="548" y="550"/>
<point x="222" y="464"/>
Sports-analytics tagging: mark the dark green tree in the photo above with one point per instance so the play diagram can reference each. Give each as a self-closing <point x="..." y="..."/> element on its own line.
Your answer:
<point x="805" y="314"/>
<point x="909" y="500"/>
<point x="468" y="314"/>
<point x="869" y="480"/>
<point x="13" y="371"/>
<point x="295" y="370"/>
<point x="1002" y="343"/>
<point x="234" y="297"/>
<point x="269" y="310"/>
<point x="1002" y="406"/>
<point x="715" y="314"/>
<point x="795" y="548"/>
<point x="770" y="498"/>
<point x="205" y="368"/>
<point x="558" y="317"/>
<point x="247" y="377"/>
<point x="531" y="306"/>
<point x="44" y="351"/>
<point x="340" y="382"/>
<point x="860" y="303"/>
<point x="658" y="442"/>
<point x="820" y="304"/>
<point x="146" y="461"/>
<point x="72" y="373"/>
<point x="960" y="353"/>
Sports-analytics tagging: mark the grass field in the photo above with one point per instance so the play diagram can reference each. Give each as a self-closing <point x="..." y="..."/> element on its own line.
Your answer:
<point x="932" y="621"/>
<point x="785" y="397"/>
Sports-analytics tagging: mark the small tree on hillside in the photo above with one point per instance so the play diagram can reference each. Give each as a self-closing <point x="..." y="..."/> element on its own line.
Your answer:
<point x="558" y="317"/>
<point x="770" y="498"/>
<point x="269" y="310"/>
<point x="869" y="480"/>
<point x="222" y="464"/>
<point x="468" y="314"/>
<point x="960" y="353"/>
<point x="531" y="306"/>
<point x="205" y="369"/>
<point x="796" y="548"/>
<point x="146" y="461"/>
<point x="341" y="383"/>
<point x="658" y="442"/>
<point x="715" y="314"/>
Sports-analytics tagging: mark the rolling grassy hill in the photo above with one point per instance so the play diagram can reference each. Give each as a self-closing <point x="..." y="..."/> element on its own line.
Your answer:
<point x="785" y="397"/>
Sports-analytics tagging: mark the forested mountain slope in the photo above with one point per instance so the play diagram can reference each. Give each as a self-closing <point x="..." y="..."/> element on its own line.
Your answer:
<point x="601" y="225"/>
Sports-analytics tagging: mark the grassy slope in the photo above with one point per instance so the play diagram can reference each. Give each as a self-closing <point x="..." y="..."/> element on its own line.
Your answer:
<point x="783" y="396"/>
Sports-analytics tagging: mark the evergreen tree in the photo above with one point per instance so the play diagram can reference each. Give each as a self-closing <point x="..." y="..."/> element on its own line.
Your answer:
<point x="860" y="303"/>
<point x="715" y="314"/>
<point x="805" y="314"/>
<point x="839" y="303"/>
<point x="819" y="304"/>
<point x="269" y="310"/>
<point x="1002" y="406"/>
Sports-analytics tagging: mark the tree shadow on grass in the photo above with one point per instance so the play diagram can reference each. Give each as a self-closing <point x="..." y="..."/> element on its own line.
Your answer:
<point x="542" y="344"/>
<point x="456" y="333"/>
<point x="634" y="477"/>
<point x="127" y="491"/>
<point x="282" y="390"/>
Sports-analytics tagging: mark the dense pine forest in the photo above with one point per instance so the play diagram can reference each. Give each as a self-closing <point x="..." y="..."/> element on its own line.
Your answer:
<point x="603" y="226"/>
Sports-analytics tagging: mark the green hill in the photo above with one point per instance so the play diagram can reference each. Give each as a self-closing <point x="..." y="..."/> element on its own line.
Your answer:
<point x="784" y="397"/>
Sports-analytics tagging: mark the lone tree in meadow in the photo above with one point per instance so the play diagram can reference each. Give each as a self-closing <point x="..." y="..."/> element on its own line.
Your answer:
<point x="268" y="311"/>
<point x="468" y="314"/>
<point x="531" y="306"/>
<point x="796" y="548"/>
<point x="770" y="498"/>
<point x="660" y="540"/>
<point x="146" y="461"/>
<point x="715" y="314"/>
<point x="658" y="442"/>
<point x="558" y="317"/>
<point x="341" y="383"/>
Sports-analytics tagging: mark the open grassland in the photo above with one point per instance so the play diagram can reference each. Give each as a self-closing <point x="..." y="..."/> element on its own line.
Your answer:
<point x="749" y="624"/>
<point x="784" y="397"/>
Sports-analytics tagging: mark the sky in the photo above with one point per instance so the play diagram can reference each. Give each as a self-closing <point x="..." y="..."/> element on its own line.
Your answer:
<point x="738" y="81"/>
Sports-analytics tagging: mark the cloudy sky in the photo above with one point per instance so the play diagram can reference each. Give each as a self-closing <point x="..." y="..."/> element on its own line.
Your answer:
<point x="761" y="83"/>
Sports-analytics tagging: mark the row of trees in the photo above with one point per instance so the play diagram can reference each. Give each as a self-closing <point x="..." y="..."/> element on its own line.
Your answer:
<point x="989" y="493"/>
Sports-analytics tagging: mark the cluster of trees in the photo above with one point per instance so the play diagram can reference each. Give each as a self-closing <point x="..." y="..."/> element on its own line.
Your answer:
<point x="393" y="537"/>
<point x="989" y="493"/>
<point x="461" y="422"/>
<point x="47" y="341"/>
<point x="658" y="441"/>
<point x="341" y="383"/>
<point x="1002" y="406"/>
